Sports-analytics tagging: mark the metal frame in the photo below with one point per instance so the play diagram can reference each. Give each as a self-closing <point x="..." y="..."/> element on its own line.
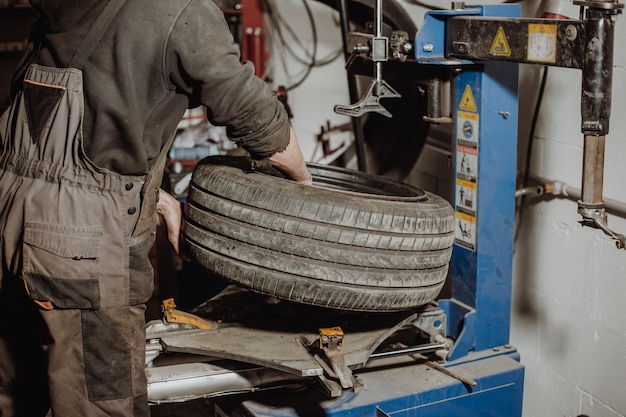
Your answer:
<point x="486" y="116"/>
<point x="481" y="46"/>
<point x="478" y="313"/>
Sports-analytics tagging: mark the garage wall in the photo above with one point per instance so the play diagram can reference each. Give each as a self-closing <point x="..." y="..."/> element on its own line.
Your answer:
<point x="313" y="101"/>
<point x="569" y="319"/>
<point x="569" y="309"/>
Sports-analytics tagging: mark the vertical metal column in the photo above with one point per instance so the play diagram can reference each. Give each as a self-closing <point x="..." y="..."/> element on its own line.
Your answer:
<point x="597" y="76"/>
<point x="357" y="128"/>
<point x="486" y="115"/>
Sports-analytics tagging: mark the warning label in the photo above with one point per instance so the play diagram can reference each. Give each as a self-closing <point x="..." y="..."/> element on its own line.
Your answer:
<point x="467" y="100"/>
<point x="500" y="46"/>
<point x="465" y="232"/>
<point x="466" y="197"/>
<point x="542" y="43"/>
<point x="467" y="129"/>
<point x="466" y="181"/>
<point x="467" y="163"/>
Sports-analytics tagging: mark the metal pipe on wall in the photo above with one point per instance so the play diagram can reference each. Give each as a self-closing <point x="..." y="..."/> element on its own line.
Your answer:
<point x="563" y="190"/>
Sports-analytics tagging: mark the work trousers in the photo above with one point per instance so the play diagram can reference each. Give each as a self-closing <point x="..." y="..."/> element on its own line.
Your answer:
<point x="87" y="363"/>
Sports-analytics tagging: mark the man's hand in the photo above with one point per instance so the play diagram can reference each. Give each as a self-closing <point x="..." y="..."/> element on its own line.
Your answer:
<point x="170" y="209"/>
<point x="291" y="161"/>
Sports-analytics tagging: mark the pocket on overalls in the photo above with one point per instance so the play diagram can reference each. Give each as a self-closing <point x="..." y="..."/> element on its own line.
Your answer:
<point x="61" y="264"/>
<point x="141" y="272"/>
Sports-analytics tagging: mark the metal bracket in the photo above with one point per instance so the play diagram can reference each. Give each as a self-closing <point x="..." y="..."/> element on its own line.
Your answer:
<point x="596" y="217"/>
<point x="378" y="88"/>
<point x="433" y="323"/>
<point x="370" y="102"/>
<point x="329" y="357"/>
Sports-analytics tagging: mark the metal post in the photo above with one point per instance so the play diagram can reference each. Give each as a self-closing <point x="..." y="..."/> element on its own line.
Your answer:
<point x="597" y="75"/>
<point x="379" y="34"/>
<point x="357" y="129"/>
<point x="486" y="116"/>
<point x="593" y="171"/>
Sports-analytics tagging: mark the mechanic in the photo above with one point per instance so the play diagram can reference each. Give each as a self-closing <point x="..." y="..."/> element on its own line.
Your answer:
<point x="96" y="101"/>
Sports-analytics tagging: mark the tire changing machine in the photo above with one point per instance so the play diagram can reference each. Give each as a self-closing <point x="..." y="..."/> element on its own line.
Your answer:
<point x="268" y="357"/>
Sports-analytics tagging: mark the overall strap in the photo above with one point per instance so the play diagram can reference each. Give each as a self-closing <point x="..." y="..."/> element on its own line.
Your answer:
<point x="92" y="38"/>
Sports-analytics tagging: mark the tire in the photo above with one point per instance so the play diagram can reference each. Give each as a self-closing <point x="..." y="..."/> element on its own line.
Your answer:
<point x="351" y="241"/>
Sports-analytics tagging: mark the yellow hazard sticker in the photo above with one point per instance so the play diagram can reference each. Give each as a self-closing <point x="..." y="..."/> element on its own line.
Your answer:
<point x="542" y="43"/>
<point x="500" y="46"/>
<point x="467" y="100"/>
<point x="466" y="217"/>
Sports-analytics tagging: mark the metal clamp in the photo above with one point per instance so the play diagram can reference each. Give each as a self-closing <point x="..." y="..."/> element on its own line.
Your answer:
<point x="378" y="88"/>
<point x="325" y="352"/>
<point x="370" y="102"/>
<point x="596" y="217"/>
<point x="171" y="315"/>
<point x="334" y="365"/>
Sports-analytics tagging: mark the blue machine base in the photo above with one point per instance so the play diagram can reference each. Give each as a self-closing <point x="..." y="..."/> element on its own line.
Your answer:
<point x="403" y="387"/>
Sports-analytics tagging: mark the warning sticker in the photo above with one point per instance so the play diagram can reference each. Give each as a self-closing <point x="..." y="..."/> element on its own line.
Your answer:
<point x="467" y="163"/>
<point x="500" y="46"/>
<point x="465" y="232"/>
<point x="467" y="129"/>
<point x="466" y="196"/>
<point x="542" y="43"/>
<point x="466" y="159"/>
<point x="467" y="100"/>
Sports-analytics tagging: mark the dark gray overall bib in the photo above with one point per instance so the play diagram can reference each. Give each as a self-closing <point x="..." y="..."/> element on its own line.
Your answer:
<point x="75" y="269"/>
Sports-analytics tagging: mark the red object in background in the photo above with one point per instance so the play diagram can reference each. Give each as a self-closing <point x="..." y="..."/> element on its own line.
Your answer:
<point x="548" y="15"/>
<point x="253" y="36"/>
<point x="555" y="9"/>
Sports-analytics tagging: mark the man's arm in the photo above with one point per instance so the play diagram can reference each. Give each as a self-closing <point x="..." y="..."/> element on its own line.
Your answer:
<point x="170" y="209"/>
<point x="291" y="161"/>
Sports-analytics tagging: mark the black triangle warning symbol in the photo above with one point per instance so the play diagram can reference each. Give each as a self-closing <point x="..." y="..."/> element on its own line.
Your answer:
<point x="500" y="46"/>
<point x="467" y="100"/>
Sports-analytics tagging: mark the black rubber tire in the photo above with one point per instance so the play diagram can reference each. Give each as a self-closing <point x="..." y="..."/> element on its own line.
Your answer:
<point x="352" y="241"/>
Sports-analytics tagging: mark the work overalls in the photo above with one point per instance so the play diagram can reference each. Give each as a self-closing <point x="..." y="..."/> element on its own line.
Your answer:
<point x="75" y="276"/>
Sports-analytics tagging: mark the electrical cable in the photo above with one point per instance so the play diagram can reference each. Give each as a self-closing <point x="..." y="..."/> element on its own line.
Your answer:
<point x="310" y="59"/>
<point x="278" y="22"/>
<point x="529" y="150"/>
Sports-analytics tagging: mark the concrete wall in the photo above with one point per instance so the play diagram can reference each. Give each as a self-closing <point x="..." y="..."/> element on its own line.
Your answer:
<point x="569" y="319"/>
<point x="313" y="101"/>
<point x="569" y="309"/>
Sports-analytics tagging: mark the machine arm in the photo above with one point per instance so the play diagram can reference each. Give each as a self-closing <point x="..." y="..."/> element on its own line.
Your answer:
<point x="379" y="88"/>
<point x="586" y="45"/>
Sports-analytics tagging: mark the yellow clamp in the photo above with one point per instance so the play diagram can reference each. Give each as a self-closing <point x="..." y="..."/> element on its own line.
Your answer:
<point x="331" y="337"/>
<point x="176" y="316"/>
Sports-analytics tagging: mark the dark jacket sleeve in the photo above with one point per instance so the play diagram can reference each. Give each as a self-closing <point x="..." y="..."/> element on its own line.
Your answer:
<point x="203" y="60"/>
